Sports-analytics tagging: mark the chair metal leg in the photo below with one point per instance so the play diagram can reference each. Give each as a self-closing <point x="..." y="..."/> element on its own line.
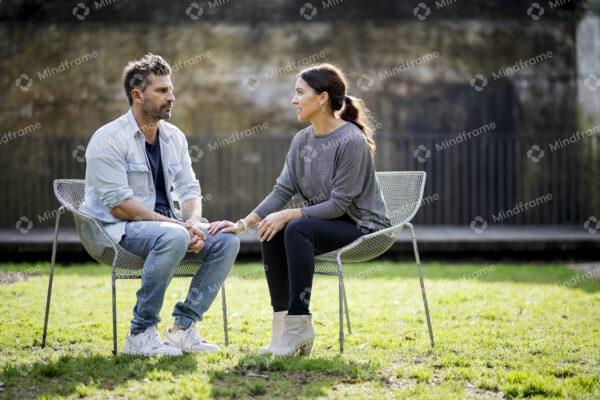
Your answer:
<point x="346" y="307"/>
<point x="416" y="250"/>
<point x="114" y="309"/>
<point x="224" y="308"/>
<point x="341" y="303"/>
<point x="51" y="277"/>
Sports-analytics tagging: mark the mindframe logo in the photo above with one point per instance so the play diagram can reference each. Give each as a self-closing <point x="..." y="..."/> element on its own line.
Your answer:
<point x="521" y="207"/>
<point x="24" y="82"/>
<point x="24" y="225"/>
<point x="480" y="81"/>
<point x="66" y="65"/>
<point x="12" y="135"/>
<point x="308" y="11"/>
<point x="188" y="62"/>
<point x="421" y="153"/>
<point x="81" y="10"/>
<point x="592" y="224"/>
<point x="194" y="11"/>
<point x="478" y="225"/>
<point x="252" y="81"/>
<point x="465" y="135"/>
<point x="575" y="137"/>
<point x="535" y="11"/>
<point x="366" y="82"/>
<point x="79" y="153"/>
<point x="535" y="153"/>
<point x="237" y="135"/>
<point x="422" y="11"/>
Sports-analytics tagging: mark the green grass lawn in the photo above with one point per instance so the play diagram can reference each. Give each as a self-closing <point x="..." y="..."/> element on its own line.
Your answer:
<point x="507" y="331"/>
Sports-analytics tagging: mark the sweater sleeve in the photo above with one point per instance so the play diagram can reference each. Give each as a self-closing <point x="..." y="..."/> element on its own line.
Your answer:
<point x="348" y="181"/>
<point x="282" y="191"/>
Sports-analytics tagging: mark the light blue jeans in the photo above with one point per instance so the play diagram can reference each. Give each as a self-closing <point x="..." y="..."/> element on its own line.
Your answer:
<point x="164" y="245"/>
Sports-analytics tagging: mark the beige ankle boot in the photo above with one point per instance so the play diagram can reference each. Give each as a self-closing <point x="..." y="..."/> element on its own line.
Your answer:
<point x="298" y="336"/>
<point x="276" y="332"/>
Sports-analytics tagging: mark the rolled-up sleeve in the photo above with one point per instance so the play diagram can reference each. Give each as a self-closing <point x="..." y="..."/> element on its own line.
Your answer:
<point x="185" y="184"/>
<point x="106" y="168"/>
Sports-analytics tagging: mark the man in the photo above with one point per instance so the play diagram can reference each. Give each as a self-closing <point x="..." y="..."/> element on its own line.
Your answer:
<point x="132" y="164"/>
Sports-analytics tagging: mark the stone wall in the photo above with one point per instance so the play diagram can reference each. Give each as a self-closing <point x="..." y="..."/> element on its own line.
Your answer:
<point x="456" y="67"/>
<point x="219" y="53"/>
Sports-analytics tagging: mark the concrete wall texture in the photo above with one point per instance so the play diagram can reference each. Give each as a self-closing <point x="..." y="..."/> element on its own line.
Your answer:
<point x="433" y="68"/>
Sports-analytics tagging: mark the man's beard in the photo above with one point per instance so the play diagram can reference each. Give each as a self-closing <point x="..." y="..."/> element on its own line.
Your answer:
<point x="154" y="114"/>
<point x="164" y="113"/>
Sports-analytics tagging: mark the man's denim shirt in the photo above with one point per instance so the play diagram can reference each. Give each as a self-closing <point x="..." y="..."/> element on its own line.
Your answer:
<point x="118" y="170"/>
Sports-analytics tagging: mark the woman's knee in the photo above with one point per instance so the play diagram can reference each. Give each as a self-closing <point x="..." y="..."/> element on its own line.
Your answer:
<point x="302" y="226"/>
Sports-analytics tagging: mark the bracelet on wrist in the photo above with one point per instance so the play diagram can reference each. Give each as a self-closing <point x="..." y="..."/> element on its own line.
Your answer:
<point x="244" y="225"/>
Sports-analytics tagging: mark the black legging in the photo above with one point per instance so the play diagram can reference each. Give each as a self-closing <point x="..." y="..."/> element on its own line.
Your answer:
<point x="289" y="258"/>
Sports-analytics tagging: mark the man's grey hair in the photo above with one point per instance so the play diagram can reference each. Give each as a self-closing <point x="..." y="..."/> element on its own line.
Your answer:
<point x="135" y="74"/>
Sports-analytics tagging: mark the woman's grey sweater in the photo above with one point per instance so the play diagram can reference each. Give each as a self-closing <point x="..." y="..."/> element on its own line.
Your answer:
<point x="334" y="174"/>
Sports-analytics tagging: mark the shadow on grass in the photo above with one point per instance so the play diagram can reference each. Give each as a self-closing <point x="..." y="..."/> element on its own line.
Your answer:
<point x="288" y="377"/>
<point x="69" y="373"/>
<point x="539" y="274"/>
<point x="536" y="273"/>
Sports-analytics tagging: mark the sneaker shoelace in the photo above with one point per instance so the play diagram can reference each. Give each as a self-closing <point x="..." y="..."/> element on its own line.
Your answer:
<point x="155" y="340"/>
<point x="195" y="338"/>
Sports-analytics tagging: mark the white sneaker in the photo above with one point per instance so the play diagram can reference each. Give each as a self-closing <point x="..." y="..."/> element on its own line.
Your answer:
<point x="188" y="340"/>
<point x="149" y="343"/>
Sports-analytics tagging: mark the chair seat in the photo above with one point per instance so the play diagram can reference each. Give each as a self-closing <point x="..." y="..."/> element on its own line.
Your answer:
<point x="363" y="249"/>
<point x="130" y="266"/>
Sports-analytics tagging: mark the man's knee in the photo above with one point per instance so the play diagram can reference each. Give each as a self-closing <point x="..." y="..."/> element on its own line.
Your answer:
<point x="175" y="238"/>
<point x="229" y="243"/>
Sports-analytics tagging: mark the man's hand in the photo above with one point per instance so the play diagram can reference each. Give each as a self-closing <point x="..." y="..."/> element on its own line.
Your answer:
<point x="197" y="237"/>
<point x="196" y="245"/>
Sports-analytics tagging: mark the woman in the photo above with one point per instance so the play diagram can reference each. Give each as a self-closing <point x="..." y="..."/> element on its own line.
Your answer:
<point x="330" y="164"/>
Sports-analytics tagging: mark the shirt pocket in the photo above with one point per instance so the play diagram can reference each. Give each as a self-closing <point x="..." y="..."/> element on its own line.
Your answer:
<point x="173" y="170"/>
<point x="138" y="178"/>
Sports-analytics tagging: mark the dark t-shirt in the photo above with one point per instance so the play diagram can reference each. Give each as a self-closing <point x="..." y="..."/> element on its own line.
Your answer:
<point x="161" y="205"/>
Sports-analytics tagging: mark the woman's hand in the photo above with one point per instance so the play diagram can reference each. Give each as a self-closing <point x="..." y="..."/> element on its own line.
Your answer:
<point x="225" y="226"/>
<point x="273" y="223"/>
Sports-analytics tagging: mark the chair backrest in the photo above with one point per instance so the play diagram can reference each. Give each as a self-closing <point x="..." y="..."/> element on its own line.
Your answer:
<point x="70" y="192"/>
<point x="402" y="192"/>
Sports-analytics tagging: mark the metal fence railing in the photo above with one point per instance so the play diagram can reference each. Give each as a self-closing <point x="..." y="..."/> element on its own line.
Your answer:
<point x="483" y="176"/>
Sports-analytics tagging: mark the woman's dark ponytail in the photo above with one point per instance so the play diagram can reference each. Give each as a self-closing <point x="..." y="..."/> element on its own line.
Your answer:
<point x="355" y="111"/>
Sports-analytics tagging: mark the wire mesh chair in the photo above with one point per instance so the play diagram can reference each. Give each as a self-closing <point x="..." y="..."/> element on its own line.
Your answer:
<point x="104" y="249"/>
<point x="402" y="192"/>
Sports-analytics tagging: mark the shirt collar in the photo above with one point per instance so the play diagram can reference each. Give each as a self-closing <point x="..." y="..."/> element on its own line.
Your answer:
<point x="133" y="128"/>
